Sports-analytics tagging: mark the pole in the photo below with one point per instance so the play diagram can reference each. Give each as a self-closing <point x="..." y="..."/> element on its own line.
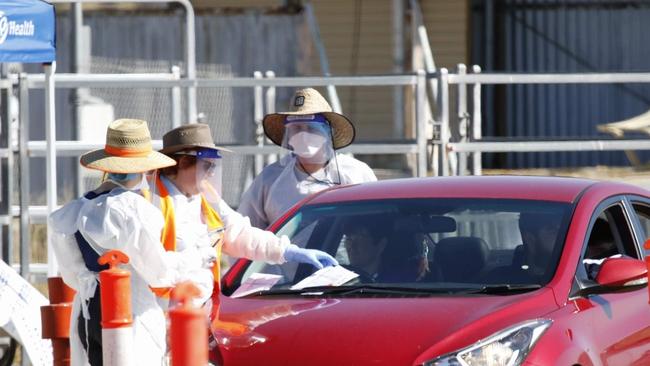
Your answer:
<point x="117" y="319"/>
<point x="78" y="96"/>
<point x="188" y="328"/>
<point x="50" y="160"/>
<point x="462" y="120"/>
<point x="190" y="56"/>
<point x="269" y="98"/>
<point x="476" y="122"/>
<point x="420" y="106"/>
<point x="443" y="108"/>
<point x="258" y="114"/>
<point x="23" y="177"/>
<point x="398" y="67"/>
<point x="176" y="108"/>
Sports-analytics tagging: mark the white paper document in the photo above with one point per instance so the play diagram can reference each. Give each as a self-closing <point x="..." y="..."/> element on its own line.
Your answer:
<point x="255" y="283"/>
<point x="328" y="276"/>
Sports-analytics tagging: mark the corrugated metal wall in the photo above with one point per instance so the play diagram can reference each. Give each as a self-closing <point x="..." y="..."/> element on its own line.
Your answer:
<point x="358" y="39"/>
<point x="562" y="36"/>
<point x="447" y="25"/>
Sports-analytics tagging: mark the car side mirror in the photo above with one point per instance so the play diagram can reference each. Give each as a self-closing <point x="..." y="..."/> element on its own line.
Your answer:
<point x="622" y="272"/>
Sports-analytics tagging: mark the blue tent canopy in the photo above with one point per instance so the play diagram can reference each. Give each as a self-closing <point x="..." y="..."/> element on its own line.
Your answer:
<point x="27" y="31"/>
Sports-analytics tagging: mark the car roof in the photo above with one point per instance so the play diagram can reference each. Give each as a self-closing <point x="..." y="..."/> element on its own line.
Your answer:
<point x="560" y="189"/>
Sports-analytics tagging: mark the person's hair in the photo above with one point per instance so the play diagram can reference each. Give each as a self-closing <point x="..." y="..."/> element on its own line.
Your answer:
<point x="378" y="227"/>
<point x="182" y="161"/>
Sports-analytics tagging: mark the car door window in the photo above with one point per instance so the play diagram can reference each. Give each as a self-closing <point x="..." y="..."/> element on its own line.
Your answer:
<point x="610" y="235"/>
<point x="643" y="214"/>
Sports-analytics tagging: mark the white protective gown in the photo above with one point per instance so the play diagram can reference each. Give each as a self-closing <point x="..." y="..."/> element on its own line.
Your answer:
<point x="121" y="220"/>
<point x="240" y="238"/>
<point x="282" y="184"/>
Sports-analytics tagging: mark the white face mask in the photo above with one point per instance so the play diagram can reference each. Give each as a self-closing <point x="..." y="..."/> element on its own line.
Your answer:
<point x="122" y="179"/>
<point x="306" y="145"/>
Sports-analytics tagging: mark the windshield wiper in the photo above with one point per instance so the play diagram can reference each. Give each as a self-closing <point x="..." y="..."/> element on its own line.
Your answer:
<point x="503" y="289"/>
<point x="369" y="289"/>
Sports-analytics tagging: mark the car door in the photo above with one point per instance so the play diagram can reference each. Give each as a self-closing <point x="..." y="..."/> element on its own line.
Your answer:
<point x="620" y="321"/>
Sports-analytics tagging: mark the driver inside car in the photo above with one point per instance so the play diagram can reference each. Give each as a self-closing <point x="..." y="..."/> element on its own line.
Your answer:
<point x="378" y="253"/>
<point x="364" y="247"/>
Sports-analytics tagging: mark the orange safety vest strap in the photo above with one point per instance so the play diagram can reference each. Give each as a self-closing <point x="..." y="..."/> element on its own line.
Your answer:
<point x="168" y="235"/>
<point x="213" y="220"/>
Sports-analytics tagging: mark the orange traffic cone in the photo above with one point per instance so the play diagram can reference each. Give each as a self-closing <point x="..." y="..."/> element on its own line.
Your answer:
<point x="117" y="319"/>
<point x="188" y="328"/>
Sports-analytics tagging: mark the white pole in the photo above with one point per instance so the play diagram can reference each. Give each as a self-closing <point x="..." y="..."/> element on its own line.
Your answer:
<point x="50" y="160"/>
<point x="258" y="115"/>
<point x="476" y="123"/>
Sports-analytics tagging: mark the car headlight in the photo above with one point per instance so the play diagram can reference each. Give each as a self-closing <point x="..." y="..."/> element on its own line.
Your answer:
<point x="508" y="347"/>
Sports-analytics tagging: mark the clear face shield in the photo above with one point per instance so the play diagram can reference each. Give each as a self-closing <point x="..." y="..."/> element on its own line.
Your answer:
<point x="309" y="139"/>
<point x="209" y="175"/>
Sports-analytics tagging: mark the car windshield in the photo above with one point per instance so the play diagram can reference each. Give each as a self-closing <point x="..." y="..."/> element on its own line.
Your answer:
<point x="448" y="245"/>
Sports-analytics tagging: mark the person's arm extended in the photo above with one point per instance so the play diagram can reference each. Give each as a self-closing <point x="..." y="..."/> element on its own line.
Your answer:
<point x="243" y="240"/>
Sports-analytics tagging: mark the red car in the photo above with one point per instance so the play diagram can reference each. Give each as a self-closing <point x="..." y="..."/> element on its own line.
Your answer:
<point x="489" y="270"/>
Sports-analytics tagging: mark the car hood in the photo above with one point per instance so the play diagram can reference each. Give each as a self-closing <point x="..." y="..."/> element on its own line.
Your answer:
<point x="364" y="331"/>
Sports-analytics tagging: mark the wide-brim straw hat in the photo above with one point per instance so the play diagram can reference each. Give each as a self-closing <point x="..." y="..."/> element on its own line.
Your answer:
<point x="190" y="136"/>
<point x="305" y="102"/>
<point x="128" y="150"/>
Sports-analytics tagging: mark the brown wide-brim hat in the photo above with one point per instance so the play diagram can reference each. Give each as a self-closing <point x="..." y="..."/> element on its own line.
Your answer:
<point x="308" y="102"/>
<point x="190" y="136"/>
<point x="128" y="149"/>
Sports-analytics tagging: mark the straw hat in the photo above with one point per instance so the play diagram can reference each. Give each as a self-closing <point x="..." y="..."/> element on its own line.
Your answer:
<point x="127" y="150"/>
<point x="189" y="136"/>
<point x="309" y="101"/>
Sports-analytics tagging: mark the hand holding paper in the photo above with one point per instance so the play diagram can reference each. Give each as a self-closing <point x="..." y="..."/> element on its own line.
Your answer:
<point x="328" y="276"/>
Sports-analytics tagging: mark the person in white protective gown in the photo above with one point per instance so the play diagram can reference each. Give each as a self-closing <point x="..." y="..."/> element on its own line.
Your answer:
<point x="116" y="216"/>
<point x="189" y="196"/>
<point x="309" y="135"/>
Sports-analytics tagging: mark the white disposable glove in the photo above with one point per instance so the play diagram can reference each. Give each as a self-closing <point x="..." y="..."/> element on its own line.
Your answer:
<point x="208" y="256"/>
<point x="316" y="258"/>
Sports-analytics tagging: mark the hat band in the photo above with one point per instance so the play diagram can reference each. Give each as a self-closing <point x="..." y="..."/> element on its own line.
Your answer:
<point x="305" y="118"/>
<point x="202" y="153"/>
<point x="127" y="153"/>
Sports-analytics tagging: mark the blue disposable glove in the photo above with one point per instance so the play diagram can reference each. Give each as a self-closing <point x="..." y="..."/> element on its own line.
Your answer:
<point x="316" y="258"/>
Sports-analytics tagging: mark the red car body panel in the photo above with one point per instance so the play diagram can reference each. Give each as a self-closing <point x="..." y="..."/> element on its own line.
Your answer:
<point x="607" y="329"/>
<point x="370" y="326"/>
<point x="540" y="188"/>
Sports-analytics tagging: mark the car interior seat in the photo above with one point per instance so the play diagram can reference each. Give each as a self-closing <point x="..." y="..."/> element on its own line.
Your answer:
<point x="601" y="242"/>
<point x="403" y="257"/>
<point x="460" y="259"/>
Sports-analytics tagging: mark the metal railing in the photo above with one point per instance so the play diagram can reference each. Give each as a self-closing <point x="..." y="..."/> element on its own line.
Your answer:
<point x="37" y="214"/>
<point x="475" y="146"/>
<point x="466" y="146"/>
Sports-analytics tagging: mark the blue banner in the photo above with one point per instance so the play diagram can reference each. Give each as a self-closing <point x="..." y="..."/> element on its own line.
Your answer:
<point x="27" y="31"/>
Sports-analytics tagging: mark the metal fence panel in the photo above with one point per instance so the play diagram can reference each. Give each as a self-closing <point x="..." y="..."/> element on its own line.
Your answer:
<point x="562" y="36"/>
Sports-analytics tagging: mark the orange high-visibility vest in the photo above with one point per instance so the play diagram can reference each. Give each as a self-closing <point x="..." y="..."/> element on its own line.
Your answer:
<point x="168" y="236"/>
